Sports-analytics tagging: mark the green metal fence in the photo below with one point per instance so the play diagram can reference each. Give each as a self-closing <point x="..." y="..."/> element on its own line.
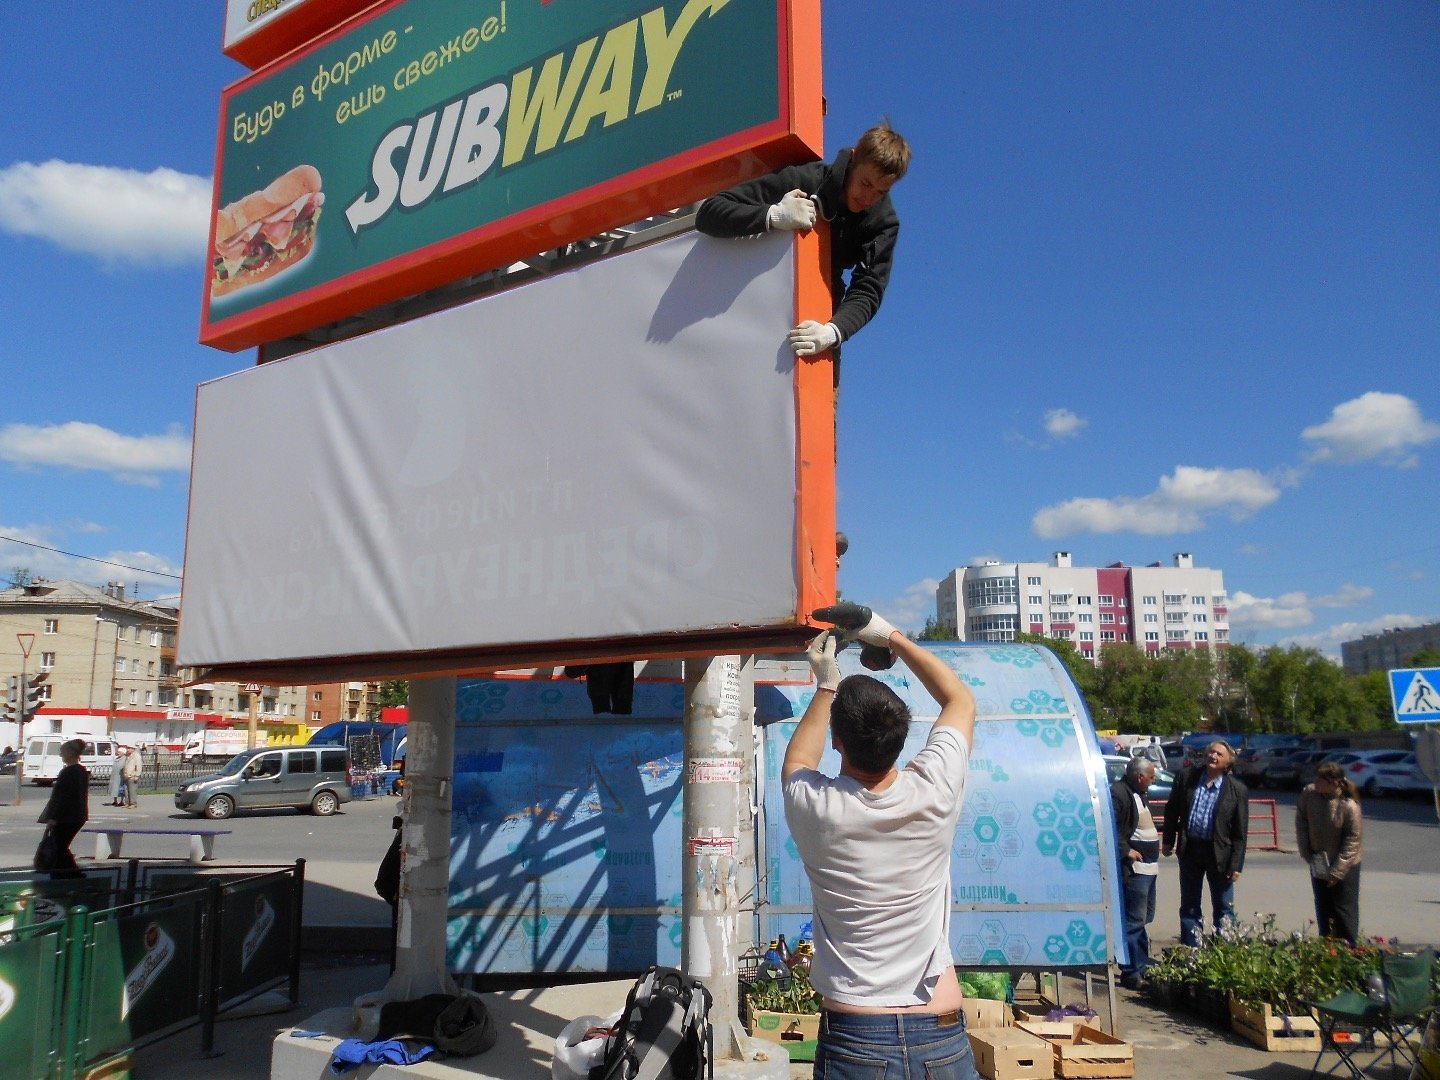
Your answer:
<point x="92" y="968"/>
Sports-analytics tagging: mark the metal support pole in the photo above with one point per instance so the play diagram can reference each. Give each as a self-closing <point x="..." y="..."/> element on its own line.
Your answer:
<point x="717" y="866"/>
<point x="420" y="963"/>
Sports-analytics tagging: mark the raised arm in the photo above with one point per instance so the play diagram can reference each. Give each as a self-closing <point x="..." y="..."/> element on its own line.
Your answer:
<point x="807" y="745"/>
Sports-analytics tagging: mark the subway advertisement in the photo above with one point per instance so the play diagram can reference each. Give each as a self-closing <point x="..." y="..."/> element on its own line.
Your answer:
<point x="436" y="139"/>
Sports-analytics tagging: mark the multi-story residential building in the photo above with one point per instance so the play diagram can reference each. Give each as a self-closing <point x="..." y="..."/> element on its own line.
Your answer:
<point x="1388" y="649"/>
<point x="109" y="661"/>
<point x="1155" y="607"/>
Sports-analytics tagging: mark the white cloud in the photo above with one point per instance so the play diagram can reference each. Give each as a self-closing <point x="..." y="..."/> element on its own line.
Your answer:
<point x="1293" y="609"/>
<point x="1346" y="596"/>
<point x="912" y="608"/>
<point x="1375" y="426"/>
<point x="1269" y="613"/>
<point x="1329" y="640"/>
<point x="133" y="459"/>
<point x="119" y="215"/>
<point x="1063" y="424"/>
<point x="1182" y="503"/>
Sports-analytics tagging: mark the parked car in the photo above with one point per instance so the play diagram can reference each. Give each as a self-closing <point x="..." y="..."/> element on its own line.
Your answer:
<point x="308" y="778"/>
<point x="1377" y="772"/>
<point x="1286" y="772"/>
<point x="7" y="761"/>
<point x="1160" y="787"/>
<point x="1252" y="763"/>
<point x="1414" y="779"/>
<point x="1174" y="755"/>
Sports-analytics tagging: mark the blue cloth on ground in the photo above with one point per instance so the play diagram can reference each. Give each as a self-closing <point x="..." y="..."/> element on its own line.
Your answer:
<point x="352" y="1053"/>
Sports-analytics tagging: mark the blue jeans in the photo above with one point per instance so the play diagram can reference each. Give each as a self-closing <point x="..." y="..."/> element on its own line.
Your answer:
<point x="892" y="1046"/>
<point x="1139" y="910"/>
<point x="1198" y="869"/>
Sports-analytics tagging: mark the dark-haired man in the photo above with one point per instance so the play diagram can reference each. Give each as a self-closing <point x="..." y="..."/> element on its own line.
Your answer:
<point x="875" y="841"/>
<point x="852" y="193"/>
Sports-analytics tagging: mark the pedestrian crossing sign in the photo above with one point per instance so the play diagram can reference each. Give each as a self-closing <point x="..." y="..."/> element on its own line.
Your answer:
<point x="1416" y="695"/>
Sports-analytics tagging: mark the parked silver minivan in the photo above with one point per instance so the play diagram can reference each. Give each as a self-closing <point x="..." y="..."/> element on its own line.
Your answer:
<point x="314" y="778"/>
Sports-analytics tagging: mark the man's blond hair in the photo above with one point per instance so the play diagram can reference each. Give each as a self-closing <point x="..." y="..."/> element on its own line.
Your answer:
<point x="885" y="148"/>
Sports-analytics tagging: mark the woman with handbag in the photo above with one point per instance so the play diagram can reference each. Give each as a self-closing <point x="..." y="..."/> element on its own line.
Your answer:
<point x="65" y="813"/>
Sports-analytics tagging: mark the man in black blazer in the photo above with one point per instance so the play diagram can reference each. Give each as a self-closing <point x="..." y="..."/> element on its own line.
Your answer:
<point x="1207" y="820"/>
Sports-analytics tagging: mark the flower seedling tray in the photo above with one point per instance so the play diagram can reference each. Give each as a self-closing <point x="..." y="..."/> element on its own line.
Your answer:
<point x="1274" y="1032"/>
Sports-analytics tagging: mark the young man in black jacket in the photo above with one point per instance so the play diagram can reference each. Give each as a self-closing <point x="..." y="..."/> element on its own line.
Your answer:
<point x="852" y="193"/>
<point x="1207" y="820"/>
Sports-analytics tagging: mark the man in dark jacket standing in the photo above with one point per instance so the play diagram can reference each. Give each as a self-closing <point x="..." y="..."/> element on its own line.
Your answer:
<point x="1138" y="850"/>
<point x="852" y="193"/>
<point x="1207" y="820"/>
<point x="68" y="808"/>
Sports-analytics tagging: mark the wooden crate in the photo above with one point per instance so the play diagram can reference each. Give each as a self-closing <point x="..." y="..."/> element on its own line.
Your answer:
<point x="984" y="1013"/>
<point x="785" y="1027"/>
<point x="1008" y="1053"/>
<point x="1089" y="1052"/>
<point x="1267" y="1029"/>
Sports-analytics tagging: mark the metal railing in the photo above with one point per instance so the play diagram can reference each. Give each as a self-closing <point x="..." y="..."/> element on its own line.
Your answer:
<point x="1264" y="832"/>
<point x="167" y="947"/>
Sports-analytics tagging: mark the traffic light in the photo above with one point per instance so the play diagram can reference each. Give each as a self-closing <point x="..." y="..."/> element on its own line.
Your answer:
<point x="12" y="689"/>
<point x="33" y="691"/>
<point x="10" y="711"/>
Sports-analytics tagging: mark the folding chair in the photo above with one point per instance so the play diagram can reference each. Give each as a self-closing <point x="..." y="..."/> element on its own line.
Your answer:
<point x="1408" y="1002"/>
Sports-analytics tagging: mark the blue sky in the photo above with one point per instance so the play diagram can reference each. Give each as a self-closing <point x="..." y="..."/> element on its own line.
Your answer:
<point x="1168" y="280"/>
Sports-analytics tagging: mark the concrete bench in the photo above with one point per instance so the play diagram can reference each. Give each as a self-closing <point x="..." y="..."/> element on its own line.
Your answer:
<point x="108" y="839"/>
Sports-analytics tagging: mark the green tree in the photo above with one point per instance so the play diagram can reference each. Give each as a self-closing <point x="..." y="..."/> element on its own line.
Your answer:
<point x="935" y="630"/>
<point x="1425" y="658"/>
<point x="394" y="692"/>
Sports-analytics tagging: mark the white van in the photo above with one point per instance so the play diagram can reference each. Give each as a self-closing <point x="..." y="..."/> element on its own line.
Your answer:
<point x="42" y="757"/>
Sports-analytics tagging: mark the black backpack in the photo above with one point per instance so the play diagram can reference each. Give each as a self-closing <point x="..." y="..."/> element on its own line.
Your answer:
<point x="663" y="1032"/>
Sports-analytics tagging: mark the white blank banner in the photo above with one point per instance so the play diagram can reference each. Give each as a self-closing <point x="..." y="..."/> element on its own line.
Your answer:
<point x="608" y="453"/>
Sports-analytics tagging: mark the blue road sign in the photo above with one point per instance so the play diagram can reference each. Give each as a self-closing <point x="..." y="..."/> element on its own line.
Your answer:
<point x="1415" y="693"/>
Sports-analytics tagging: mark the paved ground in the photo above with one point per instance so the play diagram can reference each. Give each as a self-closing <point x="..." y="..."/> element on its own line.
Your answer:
<point x="1400" y="897"/>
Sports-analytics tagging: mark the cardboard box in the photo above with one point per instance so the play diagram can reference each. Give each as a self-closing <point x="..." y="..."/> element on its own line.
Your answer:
<point x="984" y="1013"/>
<point x="1274" y="1031"/>
<point x="785" y="1027"/>
<point x="1089" y="1052"/>
<point x="1009" y="1053"/>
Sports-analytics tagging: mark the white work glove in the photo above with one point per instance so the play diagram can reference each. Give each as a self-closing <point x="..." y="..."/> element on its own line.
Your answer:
<point x="811" y="337"/>
<point x="859" y="623"/>
<point x="821" y="655"/>
<point x="796" y="211"/>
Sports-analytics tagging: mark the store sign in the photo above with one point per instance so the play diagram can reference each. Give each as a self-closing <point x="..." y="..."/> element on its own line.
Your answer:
<point x="435" y="139"/>
<point x="259" y="31"/>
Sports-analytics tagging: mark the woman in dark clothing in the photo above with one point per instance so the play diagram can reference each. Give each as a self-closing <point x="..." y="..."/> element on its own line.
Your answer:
<point x="68" y="808"/>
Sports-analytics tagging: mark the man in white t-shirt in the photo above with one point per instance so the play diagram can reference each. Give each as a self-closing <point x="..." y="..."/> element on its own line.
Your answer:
<point x="875" y="842"/>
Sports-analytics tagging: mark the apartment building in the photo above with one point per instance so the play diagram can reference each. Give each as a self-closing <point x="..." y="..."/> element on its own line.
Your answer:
<point x="1156" y="607"/>
<point x="109" y="661"/>
<point x="1389" y="649"/>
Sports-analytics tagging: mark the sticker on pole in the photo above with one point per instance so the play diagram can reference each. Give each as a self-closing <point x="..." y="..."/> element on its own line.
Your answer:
<point x="710" y="845"/>
<point x="714" y="771"/>
<point x="1413" y="691"/>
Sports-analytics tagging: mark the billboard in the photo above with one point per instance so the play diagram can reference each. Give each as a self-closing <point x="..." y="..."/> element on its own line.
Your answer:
<point x="622" y="460"/>
<point x="259" y="31"/>
<point x="429" y="140"/>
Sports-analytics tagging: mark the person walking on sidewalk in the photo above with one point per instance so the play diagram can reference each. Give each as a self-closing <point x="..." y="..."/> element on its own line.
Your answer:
<point x="132" y="777"/>
<point x="875" y="842"/>
<point x="1328" y="828"/>
<point x="68" y="809"/>
<point x="1207" y="820"/>
<point x="116" y="786"/>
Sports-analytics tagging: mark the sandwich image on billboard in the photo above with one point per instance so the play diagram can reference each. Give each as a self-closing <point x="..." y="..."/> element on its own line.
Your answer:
<point x="267" y="231"/>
